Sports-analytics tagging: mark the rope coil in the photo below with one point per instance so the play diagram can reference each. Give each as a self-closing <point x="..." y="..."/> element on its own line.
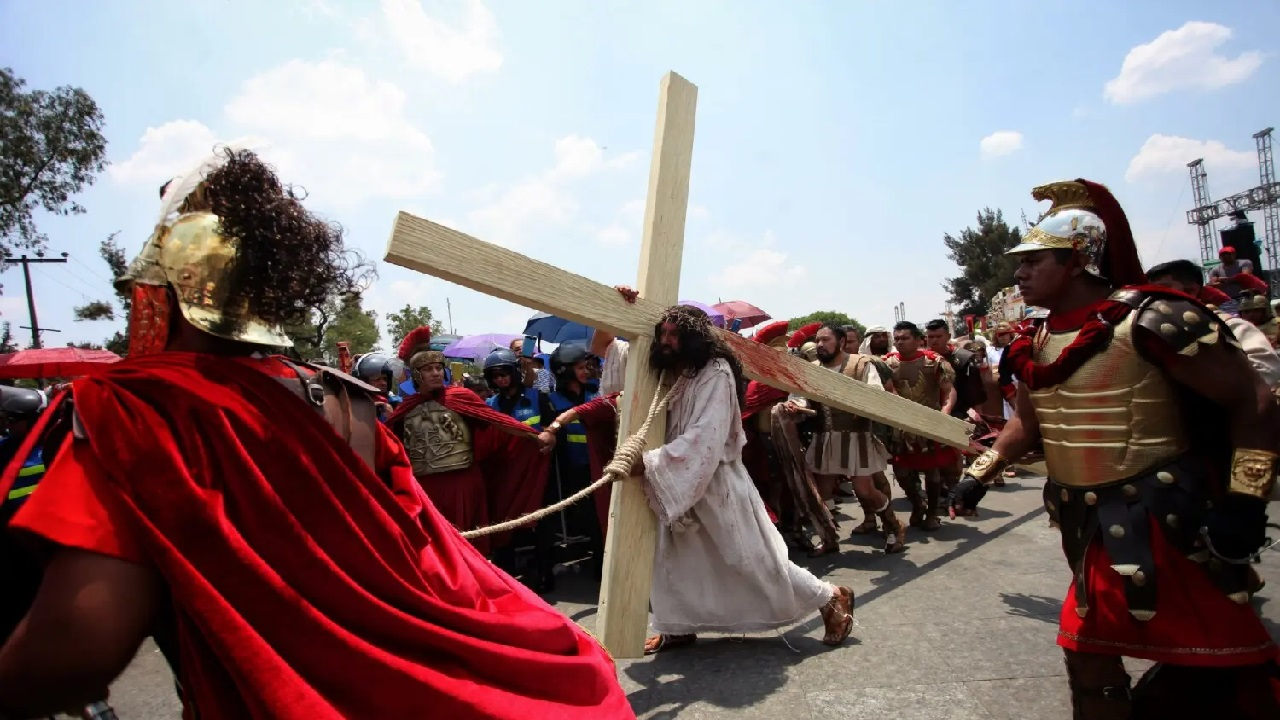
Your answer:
<point x="619" y="468"/>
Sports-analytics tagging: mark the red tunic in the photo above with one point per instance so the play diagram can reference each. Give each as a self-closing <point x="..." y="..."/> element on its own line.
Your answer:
<point x="304" y="585"/>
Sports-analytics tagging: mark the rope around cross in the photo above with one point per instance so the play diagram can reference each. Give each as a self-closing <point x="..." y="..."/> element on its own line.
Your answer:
<point x="619" y="468"/>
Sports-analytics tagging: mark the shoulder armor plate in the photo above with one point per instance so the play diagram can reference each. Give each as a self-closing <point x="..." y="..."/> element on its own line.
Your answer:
<point x="335" y="374"/>
<point x="1182" y="324"/>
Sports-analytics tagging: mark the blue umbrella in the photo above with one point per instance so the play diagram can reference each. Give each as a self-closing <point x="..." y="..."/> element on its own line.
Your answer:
<point x="552" y="329"/>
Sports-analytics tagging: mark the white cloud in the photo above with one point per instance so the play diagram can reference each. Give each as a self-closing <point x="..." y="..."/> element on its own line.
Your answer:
<point x="761" y="269"/>
<point x="1000" y="143"/>
<point x="1178" y="59"/>
<point x="328" y="126"/>
<point x="1162" y="154"/>
<point x="453" y="52"/>
<point x="549" y="198"/>
<point x="164" y="152"/>
<point x="614" y="236"/>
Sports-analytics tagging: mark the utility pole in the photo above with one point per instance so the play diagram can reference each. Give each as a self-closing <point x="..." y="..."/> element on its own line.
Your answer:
<point x="31" y="296"/>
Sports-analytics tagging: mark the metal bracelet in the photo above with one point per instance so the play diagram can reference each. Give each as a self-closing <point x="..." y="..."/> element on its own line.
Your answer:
<point x="987" y="467"/>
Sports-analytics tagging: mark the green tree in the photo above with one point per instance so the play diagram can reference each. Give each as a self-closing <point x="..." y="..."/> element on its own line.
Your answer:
<point x="113" y="255"/>
<point x="51" y="147"/>
<point x="823" y="316"/>
<point x="7" y="345"/>
<point x="409" y="319"/>
<point x="984" y="268"/>
<point x="86" y="346"/>
<point x="338" y="320"/>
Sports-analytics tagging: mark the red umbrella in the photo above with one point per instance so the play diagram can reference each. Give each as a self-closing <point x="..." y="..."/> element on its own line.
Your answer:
<point x="53" y="362"/>
<point x="743" y="313"/>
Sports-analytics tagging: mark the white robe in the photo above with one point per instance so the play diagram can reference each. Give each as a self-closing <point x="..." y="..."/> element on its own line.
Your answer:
<point x="721" y="565"/>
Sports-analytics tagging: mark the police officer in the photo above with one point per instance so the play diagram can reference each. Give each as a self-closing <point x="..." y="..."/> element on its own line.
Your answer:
<point x="571" y="368"/>
<point x="502" y="372"/>
<point x="379" y="371"/>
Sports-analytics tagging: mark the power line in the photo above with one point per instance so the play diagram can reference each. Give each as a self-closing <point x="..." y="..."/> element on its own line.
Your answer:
<point x="26" y="263"/>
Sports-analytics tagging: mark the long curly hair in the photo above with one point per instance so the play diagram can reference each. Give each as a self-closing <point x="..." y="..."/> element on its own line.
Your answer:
<point x="699" y="345"/>
<point x="288" y="260"/>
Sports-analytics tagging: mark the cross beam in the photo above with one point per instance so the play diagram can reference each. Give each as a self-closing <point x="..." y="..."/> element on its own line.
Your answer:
<point x="436" y="250"/>
<point x="433" y="249"/>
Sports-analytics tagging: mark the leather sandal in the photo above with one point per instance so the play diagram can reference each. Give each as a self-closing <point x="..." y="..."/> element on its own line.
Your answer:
<point x="837" y="617"/>
<point x="868" y="526"/>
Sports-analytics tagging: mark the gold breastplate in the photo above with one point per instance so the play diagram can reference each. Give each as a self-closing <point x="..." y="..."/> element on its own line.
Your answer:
<point x="1112" y="419"/>
<point x="437" y="439"/>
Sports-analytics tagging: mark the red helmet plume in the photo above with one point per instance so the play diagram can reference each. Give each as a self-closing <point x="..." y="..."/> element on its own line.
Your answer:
<point x="768" y="333"/>
<point x="416" y="341"/>
<point x="803" y="335"/>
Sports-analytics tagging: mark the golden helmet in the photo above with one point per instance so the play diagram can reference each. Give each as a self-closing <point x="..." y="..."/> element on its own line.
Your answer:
<point x="1086" y="218"/>
<point x="1254" y="302"/>
<point x="189" y="253"/>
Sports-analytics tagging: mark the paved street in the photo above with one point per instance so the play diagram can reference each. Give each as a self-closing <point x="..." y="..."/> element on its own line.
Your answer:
<point x="960" y="627"/>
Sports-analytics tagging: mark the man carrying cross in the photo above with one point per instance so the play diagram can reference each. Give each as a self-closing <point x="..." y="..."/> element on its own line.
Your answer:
<point x="721" y="565"/>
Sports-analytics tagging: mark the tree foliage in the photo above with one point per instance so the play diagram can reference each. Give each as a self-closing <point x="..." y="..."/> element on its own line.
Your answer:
<point x="980" y="255"/>
<point x="51" y="147"/>
<point x="114" y="256"/>
<point x="7" y="343"/>
<point x="338" y="320"/>
<point x="823" y="316"/>
<point x="409" y="319"/>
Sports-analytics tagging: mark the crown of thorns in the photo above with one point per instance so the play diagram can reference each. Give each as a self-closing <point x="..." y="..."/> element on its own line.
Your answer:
<point x="687" y="318"/>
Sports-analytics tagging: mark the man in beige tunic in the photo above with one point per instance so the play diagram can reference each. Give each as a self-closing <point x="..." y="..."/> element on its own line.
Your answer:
<point x="721" y="565"/>
<point x="844" y="445"/>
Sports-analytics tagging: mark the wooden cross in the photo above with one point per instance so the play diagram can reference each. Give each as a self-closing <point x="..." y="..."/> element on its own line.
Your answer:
<point x="433" y="249"/>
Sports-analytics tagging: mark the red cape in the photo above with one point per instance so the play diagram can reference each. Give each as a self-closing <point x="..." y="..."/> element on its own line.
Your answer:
<point x="600" y="418"/>
<point x="515" y="473"/>
<point x="301" y="586"/>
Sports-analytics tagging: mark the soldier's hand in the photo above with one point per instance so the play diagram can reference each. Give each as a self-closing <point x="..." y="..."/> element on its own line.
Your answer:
<point x="1237" y="526"/>
<point x="546" y="441"/>
<point x="965" y="496"/>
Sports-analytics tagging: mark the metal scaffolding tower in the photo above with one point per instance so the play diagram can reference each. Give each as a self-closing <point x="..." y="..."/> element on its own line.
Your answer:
<point x="1270" y="210"/>
<point x="1200" y="193"/>
<point x="1265" y="197"/>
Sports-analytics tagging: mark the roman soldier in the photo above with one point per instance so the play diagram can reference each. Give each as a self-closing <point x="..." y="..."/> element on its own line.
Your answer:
<point x="479" y="466"/>
<point x="1161" y="451"/>
<point x="251" y="513"/>
<point x="843" y="445"/>
<point x="759" y="454"/>
<point x="790" y="433"/>
<point x="924" y="377"/>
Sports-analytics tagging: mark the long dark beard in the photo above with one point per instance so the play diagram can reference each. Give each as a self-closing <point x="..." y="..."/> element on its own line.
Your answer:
<point x="662" y="358"/>
<point x="825" y="357"/>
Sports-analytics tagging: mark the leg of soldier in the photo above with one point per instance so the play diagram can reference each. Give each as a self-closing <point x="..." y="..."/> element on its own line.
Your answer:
<point x="933" y="498"/>
<point x="882" y="484"/>
<point x="909" y="481"/>
<point x="828" y="540"/>
<point x="950" y="475"/>
<point x="868" y="524"/>
<point x="1244" y="693"/>
<point x="870" y="496"/>
<point x="1099" y="686"/>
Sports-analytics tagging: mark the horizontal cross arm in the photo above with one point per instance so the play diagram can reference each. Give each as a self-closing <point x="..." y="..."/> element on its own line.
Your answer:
<point x="787" y="372"/>
<point x="433" y="249"/>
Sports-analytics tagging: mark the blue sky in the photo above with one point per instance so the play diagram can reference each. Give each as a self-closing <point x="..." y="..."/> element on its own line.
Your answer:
<point x="836" y="141"/>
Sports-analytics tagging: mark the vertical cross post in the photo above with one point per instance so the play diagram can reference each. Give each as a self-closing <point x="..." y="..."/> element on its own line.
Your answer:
<point x="623" y="616"/>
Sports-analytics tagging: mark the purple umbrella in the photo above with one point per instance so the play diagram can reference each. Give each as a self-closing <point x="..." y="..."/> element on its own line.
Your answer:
<point x="717" y="317"/>
<point x="474" y="347"/>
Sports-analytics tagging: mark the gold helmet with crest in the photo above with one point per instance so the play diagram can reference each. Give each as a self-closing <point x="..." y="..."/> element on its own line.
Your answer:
<point x="1086" y="218"/>
<point x="236" y="253"/>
